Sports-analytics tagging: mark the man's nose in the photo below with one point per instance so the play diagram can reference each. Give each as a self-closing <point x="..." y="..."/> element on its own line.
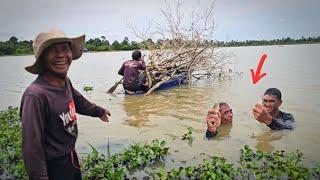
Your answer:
<point x="60" y="54"/>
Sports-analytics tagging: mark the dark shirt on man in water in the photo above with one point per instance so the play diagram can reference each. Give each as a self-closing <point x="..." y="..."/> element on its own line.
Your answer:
<point x="283" y="121"/>
<point x="210" y="134"/>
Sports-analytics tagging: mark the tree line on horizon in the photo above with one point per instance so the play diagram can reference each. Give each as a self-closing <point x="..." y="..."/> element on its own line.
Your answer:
<point x="282" y="41"/>
<point x="15" y="47"/>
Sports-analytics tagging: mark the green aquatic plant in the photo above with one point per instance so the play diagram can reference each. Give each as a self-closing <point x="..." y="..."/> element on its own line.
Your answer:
<point x="252" y="164"/>
<point x="316" y="172"/>
<point x="214" y="168"/>
<point x="97" y="166"/>
<point x="11" y="161"/>
<point x="87" y="88"/>
<point x="265" y="165"/>
<point x="188" y="135"/>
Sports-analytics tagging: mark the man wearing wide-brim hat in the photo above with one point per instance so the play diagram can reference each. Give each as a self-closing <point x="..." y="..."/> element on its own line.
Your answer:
<point x="49" y="106"/>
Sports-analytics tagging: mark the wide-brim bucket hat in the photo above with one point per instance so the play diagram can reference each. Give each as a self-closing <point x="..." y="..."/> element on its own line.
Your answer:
<point x="46" y="39"/>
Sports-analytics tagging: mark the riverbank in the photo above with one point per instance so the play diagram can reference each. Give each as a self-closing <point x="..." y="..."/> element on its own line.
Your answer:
<point x="227" y="44"/>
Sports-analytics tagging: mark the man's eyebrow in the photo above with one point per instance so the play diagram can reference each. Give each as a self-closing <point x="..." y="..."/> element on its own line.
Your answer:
<point x="268" y="100"/>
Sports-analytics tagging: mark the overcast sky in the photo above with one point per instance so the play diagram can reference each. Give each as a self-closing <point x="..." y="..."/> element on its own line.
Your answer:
<point x="234" y="19"/>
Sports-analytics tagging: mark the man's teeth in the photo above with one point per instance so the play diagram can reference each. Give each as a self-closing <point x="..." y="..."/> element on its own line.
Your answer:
<point x="61" y="63"/>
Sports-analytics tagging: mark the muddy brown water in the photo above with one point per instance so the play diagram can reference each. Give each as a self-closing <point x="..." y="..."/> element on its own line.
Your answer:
<point x="166" y="115"/>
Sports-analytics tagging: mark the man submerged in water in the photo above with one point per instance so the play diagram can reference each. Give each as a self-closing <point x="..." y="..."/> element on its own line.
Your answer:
<point x="218" y="116"/>
<point x="268" y="112"/>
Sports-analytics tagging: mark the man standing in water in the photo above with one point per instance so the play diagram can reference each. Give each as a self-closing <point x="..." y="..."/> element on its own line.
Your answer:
<point x="49" y="106"/>
<point x="133" y="79"/>
<point x="269" y="113"/>
<point x="216" y="117"/>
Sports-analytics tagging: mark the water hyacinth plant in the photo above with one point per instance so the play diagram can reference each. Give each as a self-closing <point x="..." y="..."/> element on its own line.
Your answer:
<point x="252" y="164"/>
<point x="214" y="168"/>
<point x="265" y="165"/>
<point x="87" y="88"/>
<point x="188" y="135"/>
<point x="98" y="166"/>
<point x="11" y="161"/>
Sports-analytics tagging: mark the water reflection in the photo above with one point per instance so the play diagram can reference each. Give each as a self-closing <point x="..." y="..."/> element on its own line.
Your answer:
<point x="265" y="139"/>
<point x="224" y="132"/>
<point x="136" y="108"/>
<point x="183" y="103"/>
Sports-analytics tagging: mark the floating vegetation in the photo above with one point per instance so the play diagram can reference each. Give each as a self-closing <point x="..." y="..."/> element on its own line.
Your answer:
<point x="98" y="166"/>
<point x="11" y="161"/>
<point x="87" y="88"/>
<point x="188" y="135"/>
<point x="251" y="165"/>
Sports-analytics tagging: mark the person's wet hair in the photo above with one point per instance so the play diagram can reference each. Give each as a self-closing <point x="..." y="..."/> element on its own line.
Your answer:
<point x="136" y="55"/>
<point x="274" y="91"/>
<point x="223" y="104"/>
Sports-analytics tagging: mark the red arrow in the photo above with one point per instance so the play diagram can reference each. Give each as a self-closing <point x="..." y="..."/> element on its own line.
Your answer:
<point x="256" y="76"/>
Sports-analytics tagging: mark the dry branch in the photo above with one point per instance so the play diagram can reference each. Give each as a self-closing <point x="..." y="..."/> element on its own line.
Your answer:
<point x="184" y="47"/>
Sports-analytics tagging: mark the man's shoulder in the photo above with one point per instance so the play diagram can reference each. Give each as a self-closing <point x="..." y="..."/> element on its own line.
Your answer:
<point x="127" y="61"/>
<point x="132" y="63"/>
<point x="286" y="116"/>
<point x="36" y="88"/>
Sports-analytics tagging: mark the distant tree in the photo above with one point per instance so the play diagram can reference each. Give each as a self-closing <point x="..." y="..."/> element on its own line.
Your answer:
<point x="7" y="49"/>
<point x="125" y="44"/>
<point x="90" y="47"/>
<point x="288" y="39"/>
<point x="116" y="45"/>
<point x="103" y="48"/>
<point x="106" y="42"/>
<point x="13" y="46"/>
<point x="135" y="45"/>
<point x="98" y="42"/>
<point x="126" y="47"/>
<point x="13" y="40"/>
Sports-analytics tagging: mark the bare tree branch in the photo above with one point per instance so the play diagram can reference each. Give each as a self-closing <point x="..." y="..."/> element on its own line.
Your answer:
<point x="184" y="48"/>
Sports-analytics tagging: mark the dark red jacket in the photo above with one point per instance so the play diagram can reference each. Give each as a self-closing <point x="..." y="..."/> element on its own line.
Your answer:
<point x="130" y="71"/>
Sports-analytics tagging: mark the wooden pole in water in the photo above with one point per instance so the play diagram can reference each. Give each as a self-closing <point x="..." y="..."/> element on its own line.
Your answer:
<point x="114" y="87"/>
